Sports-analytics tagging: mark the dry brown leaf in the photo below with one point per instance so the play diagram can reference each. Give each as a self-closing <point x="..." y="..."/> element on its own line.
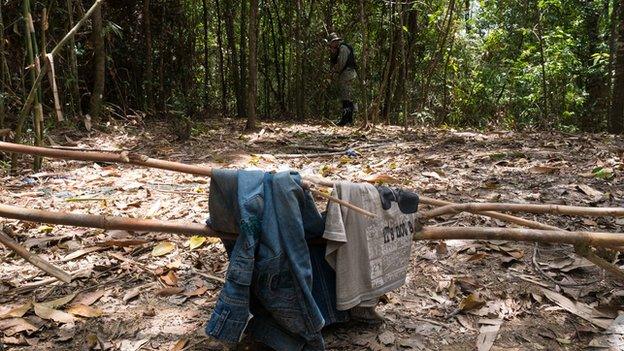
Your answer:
<point x="89" y="298"/>
<point x="12" y="326"/>
<point x="381" y="178"/>
<point x="477" y="257"/>
<point x="18" y="311"/>
<point x="46" y="312"/>
<point x="197" y="292"/>
<point x="487" y="334"/>
<point x="170" y="278"/>
<point x="154" y="209"/>
<point x="81" y="252"/>
<point x="471" y="302"/>
<point x="61" y="301"/>
<point x="163" y="248"/>
<point x="84" y="311"/>
<point x="131" y="294"/>
<point x="580" y="309"/>
<point x="169" y="291"/>
<point x="589" y="191"/>
<point x="179" y="345"/>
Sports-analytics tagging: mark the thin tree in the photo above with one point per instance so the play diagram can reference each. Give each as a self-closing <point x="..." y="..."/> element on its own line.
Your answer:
<point x="616" y="116"/>
<point x="205" y="44"/>
<point x="97" y="95"/>
<point x="73" y="62"/>
<point x="221" y="59"/>
<point x="253" y="66"/>
<point x="3" y="73"/>
<point x="147" y="74"/>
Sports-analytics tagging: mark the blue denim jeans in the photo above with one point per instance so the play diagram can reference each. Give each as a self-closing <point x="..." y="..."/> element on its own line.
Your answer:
<point x="270" y="264"/>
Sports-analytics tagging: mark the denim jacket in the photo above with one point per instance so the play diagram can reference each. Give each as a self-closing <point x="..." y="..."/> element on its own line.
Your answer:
<point x="270" y="263"/>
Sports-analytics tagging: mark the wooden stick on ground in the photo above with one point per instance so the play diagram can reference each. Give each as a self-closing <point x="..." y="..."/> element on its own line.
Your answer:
<point x="582" y="250"/>
<point x="139" y="160"/>
<point x="532" y="208"/>
<point x="34" y="259"/>
<point x="427" y="233"/>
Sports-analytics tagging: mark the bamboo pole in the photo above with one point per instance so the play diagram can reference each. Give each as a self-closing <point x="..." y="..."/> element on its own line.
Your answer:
<point x="427" y="233"/>
<point x="3" y="74"/>
<point x="140" y="160"/>
<point x="581" y="250"/>
<point x="34" y="259"/>
<point x="531" y="208"/>
<point x="31" y="95"/>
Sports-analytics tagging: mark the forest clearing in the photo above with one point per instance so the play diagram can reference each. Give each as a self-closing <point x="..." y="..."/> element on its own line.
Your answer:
<point x="310" y="175"/>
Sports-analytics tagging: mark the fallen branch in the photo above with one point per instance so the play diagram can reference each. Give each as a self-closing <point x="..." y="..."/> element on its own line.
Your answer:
<point x="34" y="259"/>
<point x="139" y="160"/>
<point x="531" y="208"/>
<point x="427" y="233"/>
<point x="520" y="234"/>
<point x="581" y="250"/>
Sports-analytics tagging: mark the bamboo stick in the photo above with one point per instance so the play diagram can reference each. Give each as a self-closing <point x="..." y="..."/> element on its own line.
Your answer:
<point x="139" y="160"/>
<point x="532" y="208"/>
<point x="31" y="95"/>
<point x="427" y="233"/>
<point x="34" y="259"/>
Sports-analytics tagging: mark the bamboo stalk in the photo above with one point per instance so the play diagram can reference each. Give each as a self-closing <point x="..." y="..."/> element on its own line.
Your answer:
<point x="520" y="234"/>
<point x="427" y="233"/>
<point x="34" y="259"/>
<point x="139" y="160"/>
<point x="531" y="208"/>
<point x="31" y="95"/>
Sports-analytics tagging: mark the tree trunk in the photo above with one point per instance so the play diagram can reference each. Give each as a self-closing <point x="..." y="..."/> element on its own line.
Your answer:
<point x="253" y="66"/>
<point x="234" y="62"/>
<point x="31" y="44"/>
<point x="243" y="59"/>
<point x="593" y="81"/>
<point x="363" y="71"/>
<point x="221" y="66"/>
<point x="95" y="105"/>
<point x="148" y="75"/>
<point x="616" y="116"/>
<point x="2" y="71"/>
<point x="206" y="72"/>
<point x="73" y="62"/>
<point x="299" y="108"/>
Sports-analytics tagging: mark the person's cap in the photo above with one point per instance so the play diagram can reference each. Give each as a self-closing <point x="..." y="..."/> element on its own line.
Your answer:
<point x="332" y="37"/>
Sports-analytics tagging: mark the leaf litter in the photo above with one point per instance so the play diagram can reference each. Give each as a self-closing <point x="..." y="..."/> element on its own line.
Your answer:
<point x="483" y="294"/>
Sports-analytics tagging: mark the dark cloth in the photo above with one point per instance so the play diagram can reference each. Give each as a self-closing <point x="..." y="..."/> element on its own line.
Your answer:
<point x="407" y="200"/>
<point x="224" y="210"/>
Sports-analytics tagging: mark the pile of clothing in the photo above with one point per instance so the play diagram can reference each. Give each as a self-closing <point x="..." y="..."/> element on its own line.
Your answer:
<point x="293" y="270"/>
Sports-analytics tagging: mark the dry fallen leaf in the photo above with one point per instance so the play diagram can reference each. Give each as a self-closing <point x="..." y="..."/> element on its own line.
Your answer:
<point x="163" y="248"/>
<point x="381" y="178"/>
<point x="197" y="292"/>
<point x="170" y="278"/>
<point x="89" y="298"/>
<point x="12" y="326"/>
<point x="18" y="311"/>
<point x="46" y="312"/>
<point x="196" y="241"/>
<point x="582" y="310"/>
<point x="471" y="302"/>
<point x="179" y="345"/>
<point x="61" y="301"/>
<point x="169" y="291"/>
<point x="84" y="311"/>
<point x="487" y="333"/>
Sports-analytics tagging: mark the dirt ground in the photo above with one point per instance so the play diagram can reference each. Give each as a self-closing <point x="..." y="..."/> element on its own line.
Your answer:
<point x="151" y="291"/>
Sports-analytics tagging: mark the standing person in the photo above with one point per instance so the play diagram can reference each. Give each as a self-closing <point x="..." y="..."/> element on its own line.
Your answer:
<point x="343" y="67"/>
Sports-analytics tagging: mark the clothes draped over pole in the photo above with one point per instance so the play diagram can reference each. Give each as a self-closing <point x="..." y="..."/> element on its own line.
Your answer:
<point x="284" y="284"/>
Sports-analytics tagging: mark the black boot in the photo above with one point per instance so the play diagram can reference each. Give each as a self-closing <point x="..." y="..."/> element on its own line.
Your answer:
<point x="347" y="113"/>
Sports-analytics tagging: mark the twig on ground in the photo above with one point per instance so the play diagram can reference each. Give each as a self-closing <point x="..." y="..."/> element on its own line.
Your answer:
<point x="532" y="208"/>
<point x="34" y="259"/>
